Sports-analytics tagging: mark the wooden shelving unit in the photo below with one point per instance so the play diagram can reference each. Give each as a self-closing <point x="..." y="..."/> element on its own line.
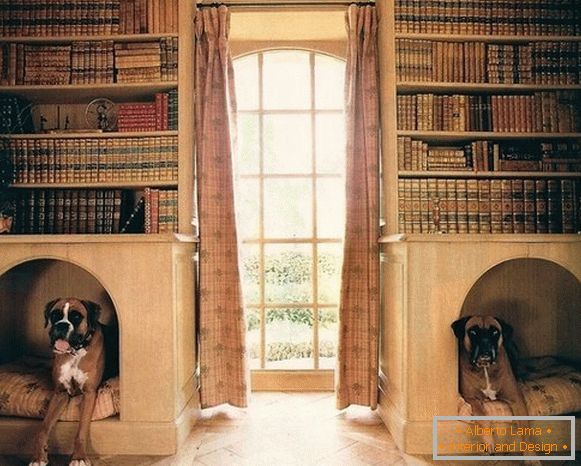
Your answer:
<point x="409" y="87"/>
<point x="488" y="38"/>
<point x="134" y="273"/>
<point x="102" y="185"/>
<point x="460" y="136"/>
<point x="428" y="278"/>
<point x="75" y="93"/>
<point x="485" y="174"/>
<point x="91" y="135"/>
<point x="67" y="39"/>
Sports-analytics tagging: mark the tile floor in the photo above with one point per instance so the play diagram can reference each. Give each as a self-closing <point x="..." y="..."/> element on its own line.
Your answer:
<point x="281" y="429"/>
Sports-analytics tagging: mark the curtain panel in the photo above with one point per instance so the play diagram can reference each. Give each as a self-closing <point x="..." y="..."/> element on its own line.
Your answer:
<point x="357" y="374"/>
<point x="223" y="366"/>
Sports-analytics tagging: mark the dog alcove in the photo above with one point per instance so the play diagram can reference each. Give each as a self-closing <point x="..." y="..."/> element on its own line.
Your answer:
<point x="539" y="298"/>
<point x="430" y="281"/>
<point x="146" y="285"/>
<point x="25" y="290"/>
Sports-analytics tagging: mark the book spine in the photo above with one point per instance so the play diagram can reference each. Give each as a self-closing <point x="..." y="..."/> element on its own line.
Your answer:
<point x="529" y="206"/>
<point x="541" y="206"/>
<point x="507" y="206"/>
<point x="553" y="206"/>
<point x="484" y="206"/>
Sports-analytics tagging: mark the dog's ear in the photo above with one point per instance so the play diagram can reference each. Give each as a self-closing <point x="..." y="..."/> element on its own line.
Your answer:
<point x="507" y="329"/>
<point x="93" y="310"/>
<point x="47" y="310"/>
<point x="459" y="327"/>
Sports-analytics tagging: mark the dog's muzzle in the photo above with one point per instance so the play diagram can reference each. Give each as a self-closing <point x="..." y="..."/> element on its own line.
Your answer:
<point x="483" y="357"/>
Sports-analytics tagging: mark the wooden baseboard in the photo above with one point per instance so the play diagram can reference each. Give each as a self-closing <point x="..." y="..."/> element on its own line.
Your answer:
<point x="109" y="436"/>
<point x="292" y="381"/>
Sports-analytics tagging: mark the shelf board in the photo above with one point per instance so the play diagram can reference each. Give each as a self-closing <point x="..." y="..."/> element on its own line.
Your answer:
<point x="133" y="238"/>
<point x="483" y="174"/>
<point x="67" y="39"/>
<point x="490" y="38"/>
<point x="83" y="93"/>
<point x="98" y="185"/>
<point x="89" y="134"/>
<point x="437" y="87"/>
<point x="461" y="136"/>
<point x="482" y="238"/>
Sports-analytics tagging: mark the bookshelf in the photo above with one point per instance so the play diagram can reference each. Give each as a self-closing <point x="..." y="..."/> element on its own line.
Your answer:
<point x="149" y="278"/>
<point x="80" y="163"/>
<point x="450" y="53"/>
<point x="440" y="75"/>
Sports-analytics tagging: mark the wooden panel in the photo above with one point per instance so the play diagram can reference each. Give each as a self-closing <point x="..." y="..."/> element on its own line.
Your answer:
<point x="185" y="326"/>
<point x="392" y="352"/>
<point x="186" y="116"/>
<point x="534" y="284"/>
<point x="388" y="117"/>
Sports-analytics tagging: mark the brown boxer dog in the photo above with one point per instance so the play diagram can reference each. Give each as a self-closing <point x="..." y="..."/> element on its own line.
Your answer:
<point x="76" y="338"/>
<point x="487" y="361"/>
<point x="486" y="367"/>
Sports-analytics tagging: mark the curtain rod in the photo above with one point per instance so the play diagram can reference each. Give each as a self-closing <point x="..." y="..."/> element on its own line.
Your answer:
<point x="291" y="3"/>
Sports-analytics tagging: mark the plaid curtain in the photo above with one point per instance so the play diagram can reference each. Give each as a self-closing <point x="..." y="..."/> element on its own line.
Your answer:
<point x="223" y="366"/>
<point x="357" y="375"/>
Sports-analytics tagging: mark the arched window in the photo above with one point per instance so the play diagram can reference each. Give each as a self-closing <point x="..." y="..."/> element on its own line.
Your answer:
<point x="290" y="195"/>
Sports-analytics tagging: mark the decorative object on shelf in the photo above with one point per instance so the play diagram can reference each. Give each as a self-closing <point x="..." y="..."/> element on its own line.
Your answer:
<point x="101" y="114"/>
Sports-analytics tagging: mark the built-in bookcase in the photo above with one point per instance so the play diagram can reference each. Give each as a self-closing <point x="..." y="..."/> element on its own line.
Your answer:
<point x="487" y="100"/>
<point x="70" y="176"/>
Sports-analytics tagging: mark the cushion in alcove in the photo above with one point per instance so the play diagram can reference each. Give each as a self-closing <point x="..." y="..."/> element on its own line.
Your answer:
<point x="26" y="389"/>
<point x="549" y="387"/>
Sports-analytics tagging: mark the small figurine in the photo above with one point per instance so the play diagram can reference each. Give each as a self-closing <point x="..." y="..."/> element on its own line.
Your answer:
<point x="102" y="122"/>
<point x="43" y="122"/>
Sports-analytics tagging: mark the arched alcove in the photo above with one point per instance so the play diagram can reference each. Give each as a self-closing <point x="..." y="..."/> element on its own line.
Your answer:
<point x="539" y="298"/>
<point x="26" y="288"/>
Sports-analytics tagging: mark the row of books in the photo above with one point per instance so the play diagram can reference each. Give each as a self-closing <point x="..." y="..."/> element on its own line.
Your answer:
<point x="160" y="211"/>
<point x="160" y="115"/>
<point x="14" y="115"/>
<point x="148" y="16"/>
<point x="68" y="211"/>
<point x="432" y="205"/>
<point x="147" y="61"/>
<point x="42" y="18"/>
<point x="556" y="112"/>
<point x="91" y="62"/>
<point x="88" y="62"/>
<point x="485" y="155"/>
<point x="479" y="62"/>
<point x="531" y="17"/>
<point x="94" y="159"/>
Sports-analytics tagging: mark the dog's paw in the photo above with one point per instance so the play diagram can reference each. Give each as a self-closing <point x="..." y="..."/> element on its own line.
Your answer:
<point x="38" y="463"/>
<point x="81" y="462"/>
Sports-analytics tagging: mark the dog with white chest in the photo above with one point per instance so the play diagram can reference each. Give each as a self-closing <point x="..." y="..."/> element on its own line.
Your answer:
<point x="77" y="342"/>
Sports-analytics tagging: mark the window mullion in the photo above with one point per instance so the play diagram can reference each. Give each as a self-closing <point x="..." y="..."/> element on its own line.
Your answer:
<point x="261" y="214"/>
<point x="315" y="271"/>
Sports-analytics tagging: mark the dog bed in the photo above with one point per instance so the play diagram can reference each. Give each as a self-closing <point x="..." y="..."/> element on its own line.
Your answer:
<point x="549" y="386"/>
<point x="26" y="389"/>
